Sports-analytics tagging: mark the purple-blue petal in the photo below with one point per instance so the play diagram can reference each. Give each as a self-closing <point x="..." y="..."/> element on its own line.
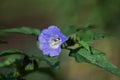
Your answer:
<point x="46" y="33"/>
<point x="51" y="52"/>
<point x="63" y="37"/>
<point x="44" y="46"/>
<point x="46" y="51"/>
<point x="42" y="38"/>
<point x="54" y="29"/>
<point x="55" y="52"/>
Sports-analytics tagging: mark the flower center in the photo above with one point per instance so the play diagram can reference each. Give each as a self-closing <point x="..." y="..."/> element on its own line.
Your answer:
<point x="55" y="42"/>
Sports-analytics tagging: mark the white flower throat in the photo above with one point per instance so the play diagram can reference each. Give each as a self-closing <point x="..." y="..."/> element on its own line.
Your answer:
<point x="55" y="42"/>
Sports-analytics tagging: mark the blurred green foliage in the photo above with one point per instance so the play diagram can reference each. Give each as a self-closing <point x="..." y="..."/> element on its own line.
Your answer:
<point x="82" y="53"/>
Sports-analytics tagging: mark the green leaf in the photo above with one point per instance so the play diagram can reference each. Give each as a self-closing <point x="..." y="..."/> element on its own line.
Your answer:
<point x="69" y="30"/>
<point x="10" y="60"/>
<point x="10" y="51"/>
<point x="23" y="30"/>
<point x="84" y="44"/>
<point x="95" y="57"/>
<point x="52" y="61"/>
<point x="88" y="36"/>
<point x="78" y="58"/>
<point x="85" y="35"/>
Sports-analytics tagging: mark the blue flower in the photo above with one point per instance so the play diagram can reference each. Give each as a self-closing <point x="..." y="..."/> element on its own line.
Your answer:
<point x="50" y="41"/>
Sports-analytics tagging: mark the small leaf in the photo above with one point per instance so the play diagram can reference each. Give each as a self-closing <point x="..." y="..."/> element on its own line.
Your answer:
<point x="10" y="51"/>
<point x="23" y="30"/>
<point x="97" y="58"/>
<point x="30" y="63"/>
<point x="29" y="67"/>
<point x="25" y="65"/>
